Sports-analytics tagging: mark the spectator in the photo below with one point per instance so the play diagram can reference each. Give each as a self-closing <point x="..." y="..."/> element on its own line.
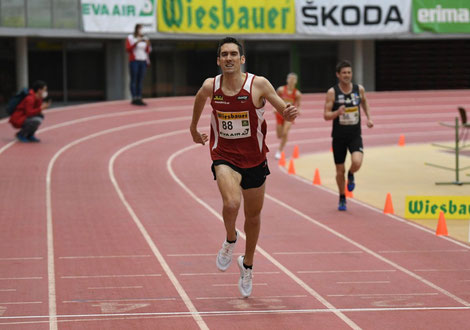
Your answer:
<point x="28" y="114"/>
<point x="138" y="46"/>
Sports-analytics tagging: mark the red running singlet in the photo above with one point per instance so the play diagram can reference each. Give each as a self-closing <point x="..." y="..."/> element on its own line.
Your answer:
<point x="288" y="98"/>
<point x="238" y="128"/>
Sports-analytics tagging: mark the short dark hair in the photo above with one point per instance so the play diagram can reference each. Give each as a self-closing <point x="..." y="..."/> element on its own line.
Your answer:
<point x="38" y="84"/>
<point x="343" y="64"/>
<point x="230" y="40"/>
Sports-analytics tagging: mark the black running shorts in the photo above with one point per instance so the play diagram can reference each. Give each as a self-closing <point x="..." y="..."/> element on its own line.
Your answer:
<point x="341" y="146"/>
<point x="252" y="177"/>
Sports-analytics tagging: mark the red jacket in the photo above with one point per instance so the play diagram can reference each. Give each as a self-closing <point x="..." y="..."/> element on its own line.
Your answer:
<point x="30" y="106"/>
<point x="131" y="43"/>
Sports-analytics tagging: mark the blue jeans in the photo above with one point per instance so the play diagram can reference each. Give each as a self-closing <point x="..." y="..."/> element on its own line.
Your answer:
<point x="137" y="69"/>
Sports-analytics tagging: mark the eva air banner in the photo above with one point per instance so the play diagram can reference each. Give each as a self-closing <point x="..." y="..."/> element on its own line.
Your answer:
<point x="441" y="16"/>
<point x="226" y="16"/>
<point x="118" y="15"/>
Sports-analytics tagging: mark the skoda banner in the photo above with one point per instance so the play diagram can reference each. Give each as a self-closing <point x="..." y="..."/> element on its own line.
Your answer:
<point x="353" y="17"/>
<point x="441" y="16"/>
<point x="226" y="16"/>
<point x="118" y="15"/>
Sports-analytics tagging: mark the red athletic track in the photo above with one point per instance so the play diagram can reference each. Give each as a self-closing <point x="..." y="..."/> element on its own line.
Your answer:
<point x="113" y="222"/>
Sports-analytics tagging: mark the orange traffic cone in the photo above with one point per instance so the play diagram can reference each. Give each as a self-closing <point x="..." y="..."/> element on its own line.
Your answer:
<point x="331" y="149"/>
<point x="295" y="154"/>
<point x="388" y="209"/>
<point x="282" y="160"/>
<point x="316" y="177"/>
<point x="347" y="193"/>
<point x="401" y="141"/>
<point x="441" y="229"/>
<point x="291" y="169"/>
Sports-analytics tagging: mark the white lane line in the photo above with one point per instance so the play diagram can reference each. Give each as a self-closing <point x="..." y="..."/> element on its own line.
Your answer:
<point x="85" y="301"/>
<point x="317" y="252"/>
<point x="232" y="284"/>
<point x="107" y="257"/>
<point x="365" y="282"/>
<point x="20" y="259"/>
<point x="7" y="290"/>
<point x="370" y="252"/>
<point x="179" y="288"/>
<point x="424" y="251"/>
<point x="442" y="270"/>
<point x="20" y="278"/>
<point x="263" y="252"/>
<point x="250" y="312"/>
<point x="224" y="273"/>
<point x="110" y="276"/>
<point x="115" y="287"/>
<point x="20" y="302"/>
<point x="377" y="210"/>
<point x="196" y="255"/>
<point x="50" y="231"/>
<point x="347" y="271"/>
<point x="251" y="297"/>
<point x="383" y="294"/>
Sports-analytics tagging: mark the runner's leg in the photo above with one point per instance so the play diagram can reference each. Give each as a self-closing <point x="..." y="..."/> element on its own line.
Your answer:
<point x="228" y="182"/>
<point x="284" y="134"/>
<point x="253" y="203"/>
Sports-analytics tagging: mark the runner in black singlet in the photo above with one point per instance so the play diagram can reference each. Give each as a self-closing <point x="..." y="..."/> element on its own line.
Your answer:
<point x="343" y="106"/>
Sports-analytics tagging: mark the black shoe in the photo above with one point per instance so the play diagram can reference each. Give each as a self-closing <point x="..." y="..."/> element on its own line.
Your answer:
<point x="141" y="102"/>
<point x="22" y="138"/>
<point x="351" y="184"/>
<point x="32" y="138"/>
<point x="134" y="102"/>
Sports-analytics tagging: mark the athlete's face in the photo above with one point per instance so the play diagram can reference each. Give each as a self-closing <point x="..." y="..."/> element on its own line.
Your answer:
<point x="229" y="59"/>
<point x="345" y="75"/>
<point x="291" y="80"/>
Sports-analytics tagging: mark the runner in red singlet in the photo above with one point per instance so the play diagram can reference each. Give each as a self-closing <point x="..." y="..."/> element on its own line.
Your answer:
<point x="291" y="95"/>
<point x="238" y="149"/>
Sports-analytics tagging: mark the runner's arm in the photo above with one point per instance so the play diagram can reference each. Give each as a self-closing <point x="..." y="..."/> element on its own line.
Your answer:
<point x="289" y="111"/>
<point x="365" y="106"/>
<point x="328" y="113"/>
<point x="199" y="102"/>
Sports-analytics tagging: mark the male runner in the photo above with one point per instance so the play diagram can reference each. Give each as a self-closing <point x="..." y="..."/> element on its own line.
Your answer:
<point x="238" y="149"/>
<point x="343" y="106"/>
<point x="290" y="95"/>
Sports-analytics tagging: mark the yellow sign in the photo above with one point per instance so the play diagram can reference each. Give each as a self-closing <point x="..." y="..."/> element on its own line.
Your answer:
<point x="429" y="207"/>
<point x="226" y="16"/>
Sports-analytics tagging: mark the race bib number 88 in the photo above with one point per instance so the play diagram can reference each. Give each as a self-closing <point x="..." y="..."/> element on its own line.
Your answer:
<point x="234" y="125"/>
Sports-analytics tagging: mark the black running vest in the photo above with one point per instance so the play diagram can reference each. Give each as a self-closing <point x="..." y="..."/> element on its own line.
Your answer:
<point x="348" y="124"/>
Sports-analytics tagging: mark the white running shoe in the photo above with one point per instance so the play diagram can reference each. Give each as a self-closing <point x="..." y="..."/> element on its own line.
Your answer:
<point x="245" y="283"/>
<point x="277" y="155"/>
<point x="224" y="257"/>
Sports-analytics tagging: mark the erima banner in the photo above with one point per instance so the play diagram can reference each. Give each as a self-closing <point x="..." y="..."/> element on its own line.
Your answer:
<point x="429" y="207"/>
<point x="441" y="16"/>
<point x="353" y="17"/>
<point x="226" y="16"/>
<point x="118" y="15"/>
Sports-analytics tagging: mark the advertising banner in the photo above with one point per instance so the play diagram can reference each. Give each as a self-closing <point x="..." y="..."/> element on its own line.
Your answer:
<point x="429" y="207"/>
<point x="118" y="15"/>
<point x="353" y="17"/>
<point x="441" y="16"/>
<point x="226" y="16"/>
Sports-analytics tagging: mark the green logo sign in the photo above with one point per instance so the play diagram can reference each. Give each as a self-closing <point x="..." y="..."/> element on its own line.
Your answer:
<point x="441" y="16"/>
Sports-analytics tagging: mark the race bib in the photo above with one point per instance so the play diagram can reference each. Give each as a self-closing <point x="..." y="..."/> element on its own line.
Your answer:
<point x="234" y="125"/>
<point x="350" y="116"/>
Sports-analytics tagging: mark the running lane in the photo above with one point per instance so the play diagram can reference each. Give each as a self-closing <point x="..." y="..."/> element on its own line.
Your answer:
<point x="135" y="223"/>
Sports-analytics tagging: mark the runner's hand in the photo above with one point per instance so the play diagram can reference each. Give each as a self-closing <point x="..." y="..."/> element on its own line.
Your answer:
<point x="199" y="138"/>
<point x="341" y="110"/>
<point x="290" y="112"/>
<point x="370" y="123"/>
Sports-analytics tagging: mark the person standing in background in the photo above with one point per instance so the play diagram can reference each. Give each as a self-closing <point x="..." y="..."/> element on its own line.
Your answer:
<point x="138" y="46"/>
<point x="291" y="95"/>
